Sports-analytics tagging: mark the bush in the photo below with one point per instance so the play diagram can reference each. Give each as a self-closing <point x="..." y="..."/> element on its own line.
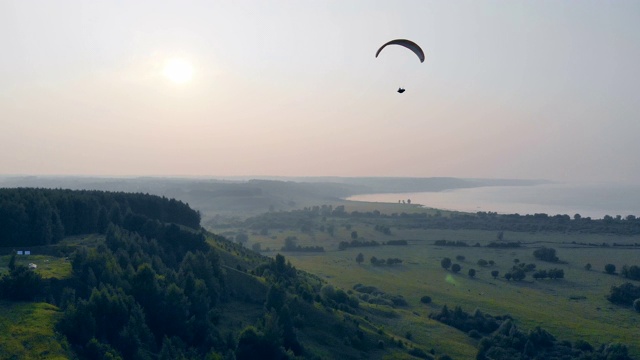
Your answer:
<point x="624" y="294"/>
<point x="460" y="257"/>
<point x="425" y="299"/>
<point x="472" y="272"/>
<point x="456" y="268"/>
<point x="495" y="274"/>
<point x="546" y="254"/>
<point x="482" y="262"/>
<point x="636" y="305"/>
<point x="445" y="263"/>
<point x="610" y="269"/>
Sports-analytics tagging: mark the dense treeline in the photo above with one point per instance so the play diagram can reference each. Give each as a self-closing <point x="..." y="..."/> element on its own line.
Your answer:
<point x="44" y="216"/>
<point x="312" y="218"/>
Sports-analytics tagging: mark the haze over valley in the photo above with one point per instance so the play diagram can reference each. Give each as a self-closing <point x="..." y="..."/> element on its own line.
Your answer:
<point x="314" y="180"/>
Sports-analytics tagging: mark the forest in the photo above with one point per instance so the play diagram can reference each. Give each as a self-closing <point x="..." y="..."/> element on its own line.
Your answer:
<point x="304" y="218"/>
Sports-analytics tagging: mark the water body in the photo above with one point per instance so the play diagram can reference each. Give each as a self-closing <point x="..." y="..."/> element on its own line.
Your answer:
<point x="587" y="199"/>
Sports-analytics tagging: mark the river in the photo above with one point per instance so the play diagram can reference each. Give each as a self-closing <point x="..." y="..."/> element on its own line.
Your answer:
<point x="587" y="199"/>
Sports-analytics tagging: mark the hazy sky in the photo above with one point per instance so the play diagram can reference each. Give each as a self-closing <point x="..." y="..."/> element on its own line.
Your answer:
<point x="509" y="89"/>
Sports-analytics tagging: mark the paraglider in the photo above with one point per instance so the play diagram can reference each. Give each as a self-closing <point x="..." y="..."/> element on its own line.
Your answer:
<point x="406" y="43"/>
<point x="409" y="45"/>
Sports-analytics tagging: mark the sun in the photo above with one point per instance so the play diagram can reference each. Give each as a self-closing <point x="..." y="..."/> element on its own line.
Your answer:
<point x="178" y="70"/>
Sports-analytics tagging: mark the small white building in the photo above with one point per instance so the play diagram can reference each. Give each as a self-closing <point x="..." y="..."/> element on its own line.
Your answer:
<point x="19" y="252"/>
<point x="32" y="266"/>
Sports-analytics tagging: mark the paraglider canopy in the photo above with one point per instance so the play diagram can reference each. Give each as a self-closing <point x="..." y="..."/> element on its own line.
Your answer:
<point x="401" y="90"/>
<point x="406" y="43"/>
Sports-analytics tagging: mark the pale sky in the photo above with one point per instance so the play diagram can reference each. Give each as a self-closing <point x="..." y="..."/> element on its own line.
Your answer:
<point x="509" y="89"/>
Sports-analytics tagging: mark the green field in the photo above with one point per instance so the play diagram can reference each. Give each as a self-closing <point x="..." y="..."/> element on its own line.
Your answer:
<point x="571" y="308"/>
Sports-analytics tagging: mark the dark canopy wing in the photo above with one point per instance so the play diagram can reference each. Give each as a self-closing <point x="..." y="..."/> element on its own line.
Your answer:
<point x="406" y="43"/>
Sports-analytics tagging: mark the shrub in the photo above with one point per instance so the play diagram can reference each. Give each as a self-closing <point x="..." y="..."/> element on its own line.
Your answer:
<point x="495" y="274"/>
<point x="425" y="299"/>
<point x="636" y="305"/>
<point x="587" y="267"/>
<point x="472" y="272"/>
<point x="610" y="269"/>
<point x="482" y="262"/>
<point x="546" y="254"/>
<point x="518" y="274"/>
<point x="624" y="294"/>
<point x="445" y="263"/>
<point x="460" y="257"/>
<point x="456" y="268"/>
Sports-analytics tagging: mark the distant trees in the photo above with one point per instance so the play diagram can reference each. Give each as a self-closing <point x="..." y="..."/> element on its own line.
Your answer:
<point x="459" y="243"/>
<point x="550" y="273"/>
<point x="354" y="235"/>
<point x="518" y="274"/>
<point x="495" y="274"/>
<point x="456" y="268"/>
<point x="290" y="244"/>
<point x="587" y="266"/>
<point x="631" y="272"/>
<point x="360" y="258"/>
<point x="472" y="272"/>
<point x="343" y="245"/>
<point x="546" y="254"/>
<point x="636" y="305"/>
<point x="379" y="262"/>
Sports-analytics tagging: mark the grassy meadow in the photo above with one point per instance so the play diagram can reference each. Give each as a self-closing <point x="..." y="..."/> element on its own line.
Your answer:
<point x="571" y="308"/>
<point x="27" y="331"/>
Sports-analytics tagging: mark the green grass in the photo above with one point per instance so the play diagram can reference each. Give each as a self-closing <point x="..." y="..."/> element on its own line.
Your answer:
<point x="550" y="304"/>
<point x="27" y="331"/>
<point x="48" y="266"/>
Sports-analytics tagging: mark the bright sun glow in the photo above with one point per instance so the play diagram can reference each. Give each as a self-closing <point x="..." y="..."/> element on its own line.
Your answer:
<point x="179" y="71"/>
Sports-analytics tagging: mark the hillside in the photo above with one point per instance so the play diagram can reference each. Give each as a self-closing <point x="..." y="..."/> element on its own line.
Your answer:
<point x="147" y="282"/>
<point x="242" y="197"/>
